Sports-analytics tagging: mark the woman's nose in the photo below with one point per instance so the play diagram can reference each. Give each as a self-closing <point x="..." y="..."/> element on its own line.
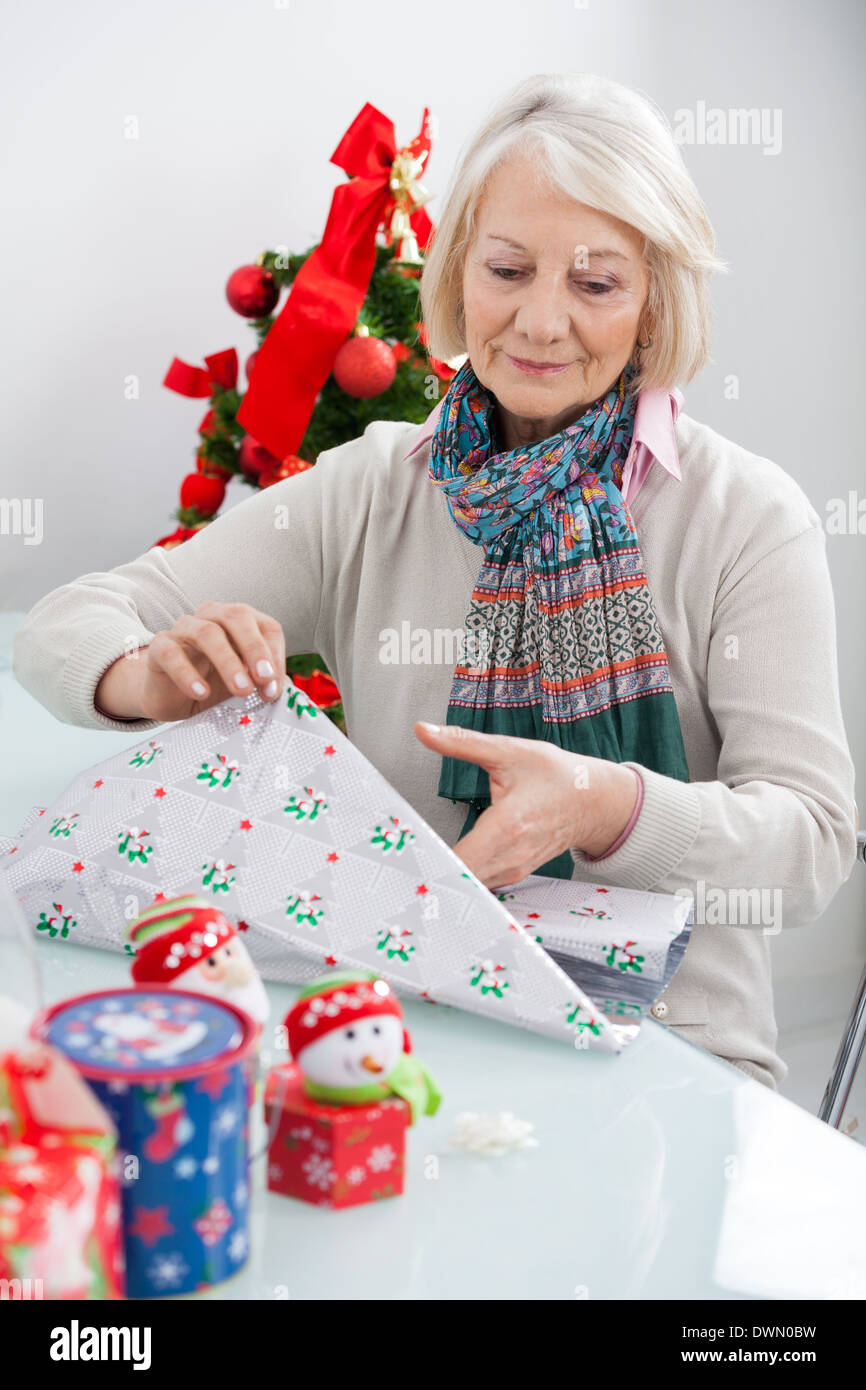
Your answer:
<point x="543" y="313"/>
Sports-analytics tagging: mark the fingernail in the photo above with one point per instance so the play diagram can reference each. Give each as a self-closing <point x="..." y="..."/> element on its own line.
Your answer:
<point x="271" y="688"/>
<point x="264" y="668"/>
<point x="431" y="728"/>
<point x="198" y="688"/>
<point x="241" y="680"/>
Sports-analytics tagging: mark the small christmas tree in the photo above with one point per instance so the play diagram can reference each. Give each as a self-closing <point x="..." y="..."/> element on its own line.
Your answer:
<point x="361" y="344"/>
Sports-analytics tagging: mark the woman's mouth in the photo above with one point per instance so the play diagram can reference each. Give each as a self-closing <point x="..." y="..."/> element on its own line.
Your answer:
<point x="537" y="368"/>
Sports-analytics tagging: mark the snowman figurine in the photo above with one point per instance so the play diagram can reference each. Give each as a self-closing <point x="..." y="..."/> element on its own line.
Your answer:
<point x="347" y="1037"/>
<point x="188" y="943"/>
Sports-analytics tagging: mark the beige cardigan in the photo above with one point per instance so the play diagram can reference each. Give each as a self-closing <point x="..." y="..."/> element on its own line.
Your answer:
<point x="735" y="558"/>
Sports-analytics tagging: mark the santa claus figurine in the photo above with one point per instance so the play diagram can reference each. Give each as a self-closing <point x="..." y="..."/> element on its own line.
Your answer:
<point x="346" y="1035"/>
<point x="188" y="942"/>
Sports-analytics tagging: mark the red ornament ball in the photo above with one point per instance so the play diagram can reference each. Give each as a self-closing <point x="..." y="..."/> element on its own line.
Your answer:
<point x="202" y="492"/>
<point x="364" y="367"/>
<point x="252" y="291"/>
<point x="254" y="458"/>
<point x="181" y="534"/>
<point x="289" y="466"/>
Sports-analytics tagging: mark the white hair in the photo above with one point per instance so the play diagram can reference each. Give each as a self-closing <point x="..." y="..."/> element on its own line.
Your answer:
<point x="610" y="148"/>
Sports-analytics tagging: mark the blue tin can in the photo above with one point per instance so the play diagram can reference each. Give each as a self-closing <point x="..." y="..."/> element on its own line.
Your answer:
<point x="174" y="1071"/>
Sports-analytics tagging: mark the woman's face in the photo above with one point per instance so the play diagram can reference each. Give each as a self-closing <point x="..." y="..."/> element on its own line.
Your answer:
<point x="548" y="280"/>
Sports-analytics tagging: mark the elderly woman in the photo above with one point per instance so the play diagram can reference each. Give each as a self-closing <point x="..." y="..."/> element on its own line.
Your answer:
<point x="646" y="692"/>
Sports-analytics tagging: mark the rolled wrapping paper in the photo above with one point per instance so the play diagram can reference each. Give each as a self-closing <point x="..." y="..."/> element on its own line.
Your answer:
<point x="267" y="810"/>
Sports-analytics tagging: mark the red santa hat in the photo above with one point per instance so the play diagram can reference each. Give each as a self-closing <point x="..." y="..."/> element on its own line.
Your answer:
<point x="173" y="935"/>
<point x="336" y="1001"/>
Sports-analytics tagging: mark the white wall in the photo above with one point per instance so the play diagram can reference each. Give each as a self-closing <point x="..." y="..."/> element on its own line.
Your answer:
<point x="117" y="250"/>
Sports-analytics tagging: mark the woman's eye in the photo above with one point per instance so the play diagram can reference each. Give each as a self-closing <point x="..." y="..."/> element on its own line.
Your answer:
<point x="594" y="287"/>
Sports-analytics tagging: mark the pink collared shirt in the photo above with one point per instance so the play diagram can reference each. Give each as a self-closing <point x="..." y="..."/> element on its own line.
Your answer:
<point x="653" y="439"/>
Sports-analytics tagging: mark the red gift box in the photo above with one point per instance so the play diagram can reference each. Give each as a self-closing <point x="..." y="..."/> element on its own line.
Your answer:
<point x="332" y="1155"/>
<point x="60" y="1222"/>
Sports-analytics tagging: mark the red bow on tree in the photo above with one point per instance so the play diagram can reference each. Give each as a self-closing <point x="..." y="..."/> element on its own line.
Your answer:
<point x="222" y="371"/>
<point x="297" y="356"/>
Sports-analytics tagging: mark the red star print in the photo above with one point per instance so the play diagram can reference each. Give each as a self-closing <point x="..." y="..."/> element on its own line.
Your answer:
<point x="330" y="960"/>
<point x="422" y="889"/>
<point x="159" y="898"/>
<point x="602" y="890"/>
<point x="77" y="868"/>
<point x="98" y="784"/>
<point x="243" y="926"/>
<point x="246" y="825"/>
<point x="333" y="857"/>
<point x="330" y="750"/>
<point x="151" y="1225"/>
<point x="533" y="914"/>
<point x="244" y="719"/>
<point x="160" y="792"/>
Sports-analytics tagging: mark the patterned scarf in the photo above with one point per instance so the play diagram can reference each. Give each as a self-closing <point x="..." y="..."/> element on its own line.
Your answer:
<point x="561" y="640"/>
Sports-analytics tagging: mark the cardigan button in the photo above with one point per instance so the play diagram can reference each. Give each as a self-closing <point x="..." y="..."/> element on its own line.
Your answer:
<point x="659" y="1009"/>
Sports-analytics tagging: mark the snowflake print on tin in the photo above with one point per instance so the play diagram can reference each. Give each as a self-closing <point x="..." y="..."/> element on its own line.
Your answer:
<point x="167" y="1271"/>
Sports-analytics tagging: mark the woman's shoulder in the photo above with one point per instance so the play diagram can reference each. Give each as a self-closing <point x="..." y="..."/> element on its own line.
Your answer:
<point x="723" y="476"/>
<point x="373" y="457"/>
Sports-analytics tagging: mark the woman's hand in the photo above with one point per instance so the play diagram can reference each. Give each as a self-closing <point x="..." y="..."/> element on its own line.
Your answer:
<point x="222" y="649"/>
<point x="543" y="801"/>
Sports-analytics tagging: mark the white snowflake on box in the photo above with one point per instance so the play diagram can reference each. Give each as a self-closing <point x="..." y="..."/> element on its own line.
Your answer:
<point x="241" y="1194"/>
<point x="355" y="1176"/>
<point x="275" y="1171"/>
<point x="319" y="1171"/>
<point x="381" y="1158"/>
<point x="185" y="1167"/>
<point x="167" y="1271"/>
<point x="237" y="1246"/>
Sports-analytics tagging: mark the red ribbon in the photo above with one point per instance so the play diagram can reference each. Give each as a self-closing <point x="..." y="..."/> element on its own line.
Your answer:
<point x="195" y="381"/>
<point x="222" y="371"/>
<point x="297" y="356"/>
